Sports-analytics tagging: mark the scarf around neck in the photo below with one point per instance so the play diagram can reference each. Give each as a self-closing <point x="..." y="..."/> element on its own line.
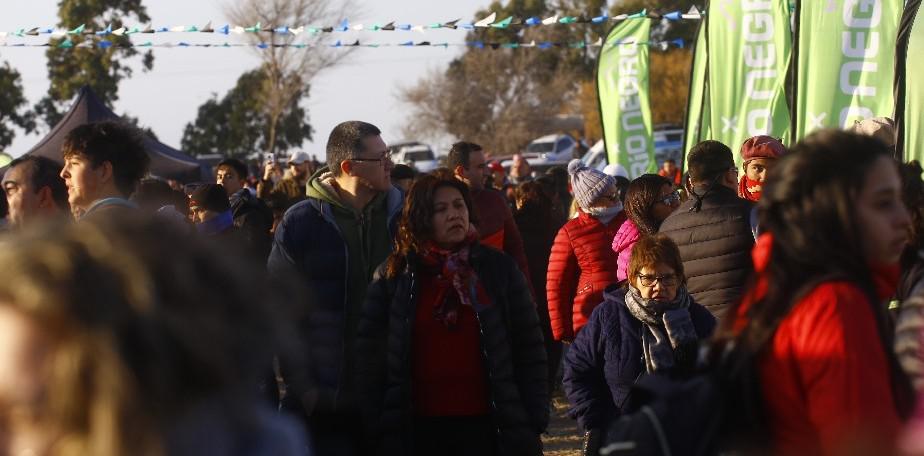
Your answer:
<point x="749" y="189"/>
<point x="666" y="326"/>
<point x="605" y="214"/>
<point x="456" y="281"/>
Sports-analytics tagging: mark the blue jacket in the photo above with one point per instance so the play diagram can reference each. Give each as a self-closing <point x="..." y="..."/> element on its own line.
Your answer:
<point x="606" y="358"/>
<point x="308" y="246"/>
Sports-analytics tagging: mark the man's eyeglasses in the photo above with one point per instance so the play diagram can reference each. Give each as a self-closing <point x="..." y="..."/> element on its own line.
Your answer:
<point x="668" y="280"/>
<point x="671" y="199"/>
<point x="385" y="157"/>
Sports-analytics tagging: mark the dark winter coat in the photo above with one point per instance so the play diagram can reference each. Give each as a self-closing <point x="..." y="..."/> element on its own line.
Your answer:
<point x="581" y="266"/>
<point x="715" y="245"/>
<point x="606" y="358"/>
<point x="308" y="244"/>
<point x="511" y="342"/>
<point x="254" y="221"/>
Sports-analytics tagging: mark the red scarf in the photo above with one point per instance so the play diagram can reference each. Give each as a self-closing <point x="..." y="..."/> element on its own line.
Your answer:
<point x="747" y="189"/>
<point x="456" y="273"/>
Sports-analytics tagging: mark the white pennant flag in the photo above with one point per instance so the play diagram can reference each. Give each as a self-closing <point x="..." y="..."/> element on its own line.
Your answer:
<point x="550" y="20"/>
<point x="486" y="21"/>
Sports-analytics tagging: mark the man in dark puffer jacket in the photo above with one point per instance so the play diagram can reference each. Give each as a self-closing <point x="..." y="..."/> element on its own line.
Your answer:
<point x="714" y="229"/>
<point x="333" y="241"/>
<point x="511" y="341"/>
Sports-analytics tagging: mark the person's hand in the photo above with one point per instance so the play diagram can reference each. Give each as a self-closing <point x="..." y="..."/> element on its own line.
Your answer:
<point x="268" y="170"/>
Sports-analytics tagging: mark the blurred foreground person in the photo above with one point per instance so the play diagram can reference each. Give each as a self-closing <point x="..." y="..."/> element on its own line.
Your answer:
<point x="909" y="299"/>
<point x="122" y="337"/>
<point x="34" y="190"/>
<point x="653" y="326"/>
<point x="103" y="164"/>
<point x="451" y="360"/>
<point x="814" y="317"/>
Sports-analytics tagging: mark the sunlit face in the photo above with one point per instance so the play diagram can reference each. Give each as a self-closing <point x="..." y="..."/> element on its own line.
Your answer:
<point x="376" y="172"/>
<point x="668" y="201"/>
<point x="669" y="167"/>
<point x="474" y="174"/>
<point x="228" y="178"/>
<point x="84" y="182"/>
<point x="756" y="169"/>
<point x="22" y="199"/>
<point x="450" y="217"/>
<point x="882" y="216"/>
<point x="659" y="283"/>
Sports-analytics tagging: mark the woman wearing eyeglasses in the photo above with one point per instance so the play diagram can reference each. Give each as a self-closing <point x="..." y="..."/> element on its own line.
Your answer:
<point x="652" y="326"/>
<point x="580" y="264"/>
<point x="649" y="200"/>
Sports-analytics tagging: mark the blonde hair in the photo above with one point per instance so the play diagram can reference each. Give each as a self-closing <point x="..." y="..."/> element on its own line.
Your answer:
<point x="139" y="319"/>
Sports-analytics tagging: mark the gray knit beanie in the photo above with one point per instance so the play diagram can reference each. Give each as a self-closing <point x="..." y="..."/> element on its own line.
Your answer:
<point x="587" y="184"/>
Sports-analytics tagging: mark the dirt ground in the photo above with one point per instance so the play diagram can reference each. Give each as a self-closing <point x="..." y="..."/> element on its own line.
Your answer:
<point x="563" y="437"/>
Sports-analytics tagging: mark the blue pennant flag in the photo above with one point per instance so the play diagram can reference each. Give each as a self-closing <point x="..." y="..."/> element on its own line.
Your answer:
<point x="337" y="44"/>
<point x="344" y="26"/>
<point x="163" y="30"/>
<point x="533" y="21"/>
<point x="404" y="26"/>
<point x="600" y="19"/>
<point x="476" y="44"/>
<point x="467" y="26"/>
<point x="675" y="16"/>
<point x="225" y="30"/>
<point x="409" y="43"/>
<point x="262" y="45"/>
<point x="282" y="30"/>
<point x="183" y="44"/>
<point x="678" y="42"/>
<point x="105" y="44"/>
<point x="544" y="45"/>
<point x="107" y="31"/>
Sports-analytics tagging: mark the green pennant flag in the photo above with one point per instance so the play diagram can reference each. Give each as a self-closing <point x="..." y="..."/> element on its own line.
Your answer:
<point x="749" y="51"/>
<point x="697" y="105"/>
<point x="625" y="110"/>
<point x="843" y="63"/>
<point x="910" y="87"/>
<point x="503" y="24"/>
<point x="254" y="29"/>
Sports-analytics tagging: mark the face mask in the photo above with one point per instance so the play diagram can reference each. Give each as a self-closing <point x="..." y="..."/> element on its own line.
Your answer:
<point x="605" y="214"/>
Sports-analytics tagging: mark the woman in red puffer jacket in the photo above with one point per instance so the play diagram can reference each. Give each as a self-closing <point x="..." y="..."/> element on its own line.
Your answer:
<point x="814" y="320"/>
<point x="582" y="264"/>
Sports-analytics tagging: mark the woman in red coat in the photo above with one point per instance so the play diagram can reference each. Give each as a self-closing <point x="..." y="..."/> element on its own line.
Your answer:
<point x="814" y="319"/>
<point x="582" y="264"/>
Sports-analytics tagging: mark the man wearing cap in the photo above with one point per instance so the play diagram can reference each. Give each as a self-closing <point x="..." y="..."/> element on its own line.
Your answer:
<point x="292" y="188"/>
<point x="713" y="229"/>
<point x="758" y="153"/>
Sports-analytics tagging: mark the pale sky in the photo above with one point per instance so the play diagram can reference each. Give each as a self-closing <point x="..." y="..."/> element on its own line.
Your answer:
<point x="166" y="98"/>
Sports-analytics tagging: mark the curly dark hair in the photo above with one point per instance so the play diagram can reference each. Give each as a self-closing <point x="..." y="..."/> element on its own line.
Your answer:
<point x="118" y="143"/>
<point x="415" y="227"/>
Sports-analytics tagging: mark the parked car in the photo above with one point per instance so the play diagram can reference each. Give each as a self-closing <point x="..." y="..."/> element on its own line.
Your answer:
<point x="553" y="147"/>
<point x="415" y="154"/>
<point x="668" y="144"/>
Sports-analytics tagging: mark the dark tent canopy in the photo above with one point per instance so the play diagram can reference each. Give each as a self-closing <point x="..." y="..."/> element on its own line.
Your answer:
<point x="166" y="162"/>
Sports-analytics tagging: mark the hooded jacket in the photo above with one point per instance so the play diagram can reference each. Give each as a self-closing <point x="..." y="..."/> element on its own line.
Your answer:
<point x="333" y="249"/>
<point x="623" y="242"/>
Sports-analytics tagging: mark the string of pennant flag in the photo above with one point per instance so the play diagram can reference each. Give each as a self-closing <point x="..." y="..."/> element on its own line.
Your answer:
<point x="489" y="21"/>
<point x="105" y="44"/>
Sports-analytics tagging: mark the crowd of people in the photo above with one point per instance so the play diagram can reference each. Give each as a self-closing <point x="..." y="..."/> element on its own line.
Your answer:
<point x="358" y="307"/>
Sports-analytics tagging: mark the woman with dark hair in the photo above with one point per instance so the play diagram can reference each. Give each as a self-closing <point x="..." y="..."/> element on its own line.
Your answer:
<point x="650" y="198"/>
<point x="653" y="326"/>
<point x="813" y="318"/>
<point x="539" y="222"/>
<point x="452" y="355"/>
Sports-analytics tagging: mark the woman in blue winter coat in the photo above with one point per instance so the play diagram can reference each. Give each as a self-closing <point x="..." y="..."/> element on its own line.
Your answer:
<point x="650" y="326"/>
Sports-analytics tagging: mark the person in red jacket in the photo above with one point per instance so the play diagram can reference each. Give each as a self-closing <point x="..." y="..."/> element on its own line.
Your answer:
<point x="758" y="154"/>
<point x="496" y="227"/>
<point x="814" y="319"/>
<point x="582" y="264"/>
